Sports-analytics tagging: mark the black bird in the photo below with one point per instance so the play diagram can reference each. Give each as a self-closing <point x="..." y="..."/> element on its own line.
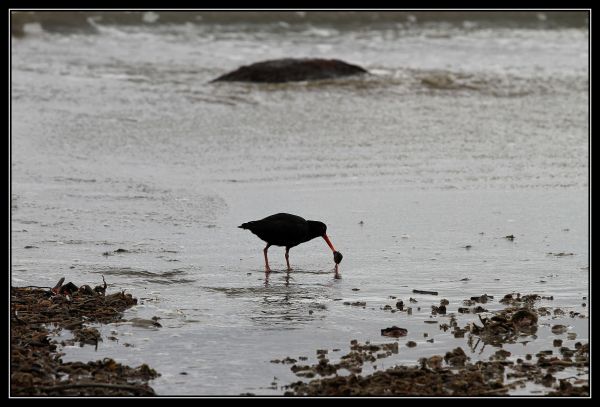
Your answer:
<point x="287" y="230"/>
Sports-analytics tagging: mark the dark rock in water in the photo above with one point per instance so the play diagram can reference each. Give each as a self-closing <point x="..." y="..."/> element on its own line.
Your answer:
<point x="523" y="318"/>
<point x="292" y="70"/>
<point x="438" y="310"/>
<point x="425" y="292"/>
<point x="482" y="299"/>
<point x="559" y="329"/>
<point x="394" y="332"/>
<point x="356" y="303"/>
<point x="456" y="358"/>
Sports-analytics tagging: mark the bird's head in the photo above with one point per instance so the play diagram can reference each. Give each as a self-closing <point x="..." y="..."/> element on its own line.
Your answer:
<point x="317" y="228"/>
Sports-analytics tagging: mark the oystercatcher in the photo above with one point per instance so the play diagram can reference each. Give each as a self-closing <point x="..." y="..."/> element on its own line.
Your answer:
<point x="284" y="229"/>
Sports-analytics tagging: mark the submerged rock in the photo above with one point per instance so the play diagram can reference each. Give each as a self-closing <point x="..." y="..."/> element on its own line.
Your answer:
<point x="292" y="70"/>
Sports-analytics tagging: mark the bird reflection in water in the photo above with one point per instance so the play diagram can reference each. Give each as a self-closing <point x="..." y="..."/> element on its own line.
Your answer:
<point x="287" y="278"/>
<point x="336" y="276"/>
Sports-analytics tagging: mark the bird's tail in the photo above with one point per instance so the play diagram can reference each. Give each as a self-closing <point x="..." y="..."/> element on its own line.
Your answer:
<point x="245" y="225"/>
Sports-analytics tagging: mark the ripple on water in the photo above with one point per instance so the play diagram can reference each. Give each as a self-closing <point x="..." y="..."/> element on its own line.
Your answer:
<point x="173" y="276"/>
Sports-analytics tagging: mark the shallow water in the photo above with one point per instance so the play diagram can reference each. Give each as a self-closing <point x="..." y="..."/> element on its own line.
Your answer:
<point x="460" y="136"/>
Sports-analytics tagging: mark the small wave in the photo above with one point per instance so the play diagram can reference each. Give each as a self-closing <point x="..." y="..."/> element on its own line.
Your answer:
<point x="447" y="81"/>
<point x="173" y="273"/>
<point x="382" y="80"/>
<point x="27" y="222"/>
<point x="173" y="276"/>
<point x="74" y="179"/>
<point x="163" y="281"/>
<point x="410" y="81"/>
<point x="321" y="23"/>
<point x="123" y="271"/>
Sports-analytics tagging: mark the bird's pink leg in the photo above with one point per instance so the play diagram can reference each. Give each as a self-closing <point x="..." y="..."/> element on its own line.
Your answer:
<point x="287" y="257"/>
<point x="267" y="268"/>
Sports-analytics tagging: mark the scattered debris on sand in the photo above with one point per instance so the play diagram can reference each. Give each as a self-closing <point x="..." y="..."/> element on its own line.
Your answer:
<point x="394" y="332"/>
<point x="425" y="292"/>
<point x="36" y="365"/>
<point x="460" y="378"/>
<point x="454" y="374"/>
<point x="473" y="380"/>
<point x="561" y="254"/>
<point x="356" y="303"/>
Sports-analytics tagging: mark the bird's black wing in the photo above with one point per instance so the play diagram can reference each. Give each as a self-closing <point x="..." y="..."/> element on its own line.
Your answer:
<point x="281" y="229"/>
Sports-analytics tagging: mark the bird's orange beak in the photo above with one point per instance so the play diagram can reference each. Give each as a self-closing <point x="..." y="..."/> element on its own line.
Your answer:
<point x="329" y="242"/>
